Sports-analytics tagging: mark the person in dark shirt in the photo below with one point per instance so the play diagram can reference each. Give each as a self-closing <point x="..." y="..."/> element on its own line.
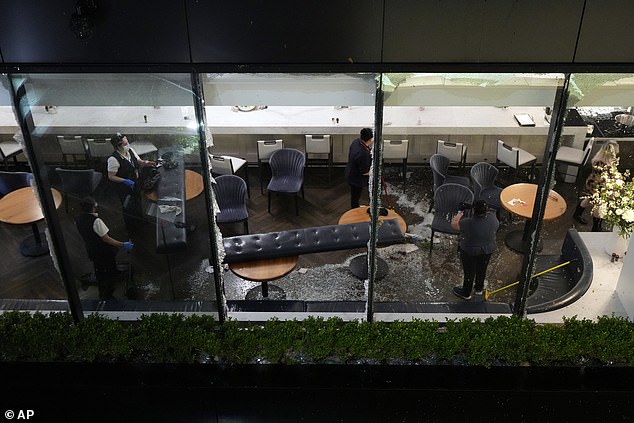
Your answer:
<point x="477" y="243"/>
<point x="359" y="164"/>
<point x="123" y="172"/>
<point x="102" y="249"/>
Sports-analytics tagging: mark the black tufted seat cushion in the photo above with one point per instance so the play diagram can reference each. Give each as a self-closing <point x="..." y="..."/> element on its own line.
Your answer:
<point x="170" y="227"/>
<point x="308" y="240"/>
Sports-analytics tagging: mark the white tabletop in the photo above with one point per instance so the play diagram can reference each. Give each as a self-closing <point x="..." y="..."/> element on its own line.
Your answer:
<point x="485" y="120"/>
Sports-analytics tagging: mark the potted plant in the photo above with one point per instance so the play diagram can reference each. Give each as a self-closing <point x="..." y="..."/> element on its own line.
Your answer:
<point x="613" y="201"/>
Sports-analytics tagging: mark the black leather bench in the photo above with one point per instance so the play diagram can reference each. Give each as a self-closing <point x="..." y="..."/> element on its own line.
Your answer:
<point x="318" y="239"/>
<point x="171" y="235"/>
<point x="563" y="286"/>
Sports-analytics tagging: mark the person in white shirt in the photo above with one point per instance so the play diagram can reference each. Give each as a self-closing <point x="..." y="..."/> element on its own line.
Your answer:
<point x="123" y="172"/>
<point x="102" y="248"/>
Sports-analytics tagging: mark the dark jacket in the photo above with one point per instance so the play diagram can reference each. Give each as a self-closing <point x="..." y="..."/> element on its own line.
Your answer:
<point x="477" y="234"/>
<point x="359" y="162"/>
<point x="101" y="254"/>
<point x="128" y="169"/>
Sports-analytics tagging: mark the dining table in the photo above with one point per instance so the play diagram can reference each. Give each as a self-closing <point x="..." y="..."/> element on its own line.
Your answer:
<point x="21" y="207"/>
<point x="359" y="264"/>
<point x="519" y="200"/>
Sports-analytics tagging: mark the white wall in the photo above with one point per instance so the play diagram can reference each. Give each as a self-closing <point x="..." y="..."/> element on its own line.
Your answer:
<point x="625" y="285"/>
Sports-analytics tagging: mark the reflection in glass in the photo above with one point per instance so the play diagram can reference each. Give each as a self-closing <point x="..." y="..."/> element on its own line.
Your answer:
<point x="129" y="142"/>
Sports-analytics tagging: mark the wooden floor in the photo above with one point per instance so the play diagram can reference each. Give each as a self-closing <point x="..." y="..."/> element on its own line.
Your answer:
<point x="35" y="277"/>
<point x="182" y="275"/>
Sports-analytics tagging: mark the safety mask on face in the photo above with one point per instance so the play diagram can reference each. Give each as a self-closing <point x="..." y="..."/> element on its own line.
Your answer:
<point x="126" y="148"/>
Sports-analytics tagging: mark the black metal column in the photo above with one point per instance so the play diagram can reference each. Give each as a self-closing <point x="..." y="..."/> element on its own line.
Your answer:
<point x="215" y="238"/>
<point x="375" y="197"/>
<point x="543" y="190"/>
<point x="22" y="110"/>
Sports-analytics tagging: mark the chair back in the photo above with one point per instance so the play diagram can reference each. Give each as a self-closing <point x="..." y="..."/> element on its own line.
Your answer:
<point x="483" y="176"/>
<point x="453" y="151"/>
<point x="395" y="149"/>
<point x="9" y="148"/>
<point x="99" y="147"/>
<point x="267" y="147"/>
<point x="448" y="197"/>
<point x="231" y="194"/>
<point x="10" y="181"/>
<point x="221" y="165"/>
<point x="71" y="145"/>
<point x="508" y="155"/>
<point x="587" y="151"/>
<point x="79" y="181"/>
<point x="439" y="165"/>
<point x="287" y="162"/>
<point x="318" y="144"/>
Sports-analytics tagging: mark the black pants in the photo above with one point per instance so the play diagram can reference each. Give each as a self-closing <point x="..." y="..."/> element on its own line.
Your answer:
<point x="107" y="276"/>
<point x="474" y="267"/>
<point x="355" y="196"/>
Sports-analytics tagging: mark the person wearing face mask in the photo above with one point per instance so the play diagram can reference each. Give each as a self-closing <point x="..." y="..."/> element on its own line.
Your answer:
<point x="359" y="163"/>
<point x="123" y="172"/>
<point x="101" y="247"/>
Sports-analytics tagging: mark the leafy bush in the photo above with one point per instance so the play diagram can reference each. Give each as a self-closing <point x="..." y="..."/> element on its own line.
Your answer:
<point x="174" y="338"/>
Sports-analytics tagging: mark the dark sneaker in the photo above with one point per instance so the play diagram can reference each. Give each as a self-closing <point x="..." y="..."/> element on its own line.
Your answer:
<point x="479" y="292"/>
<point x="457" y="290"/>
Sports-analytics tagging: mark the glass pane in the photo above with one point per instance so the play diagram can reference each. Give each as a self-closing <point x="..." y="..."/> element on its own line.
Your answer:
<point x="318" y="116"/>
<point x="27" y="270"/>
<point x="460" y="120"/>
<point x="603" y="103"/>
<point x="136" y="234"/>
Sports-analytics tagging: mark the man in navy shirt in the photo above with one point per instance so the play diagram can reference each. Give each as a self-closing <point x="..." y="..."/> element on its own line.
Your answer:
<point x="359" y="163"/>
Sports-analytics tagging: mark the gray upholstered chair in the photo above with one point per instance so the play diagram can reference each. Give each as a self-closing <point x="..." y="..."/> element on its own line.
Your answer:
<point x="447" y="198"/>
<point x="439" y="166"/>
<point x="231" y="195"/>
<point x="287" y="174"/>
<point x="78" y="183"/>
<point x="483" y="176"/>
<point x="10" y="181"/>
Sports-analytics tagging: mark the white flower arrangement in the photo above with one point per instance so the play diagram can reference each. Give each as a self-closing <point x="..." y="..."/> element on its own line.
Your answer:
<point x="613" y="198"/>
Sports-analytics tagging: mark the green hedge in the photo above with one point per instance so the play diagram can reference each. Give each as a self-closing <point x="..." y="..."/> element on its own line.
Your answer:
<point x="173" y="338"/>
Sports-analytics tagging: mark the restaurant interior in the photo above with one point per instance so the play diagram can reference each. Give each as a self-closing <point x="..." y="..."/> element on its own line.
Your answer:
<point x="203" y="127"/>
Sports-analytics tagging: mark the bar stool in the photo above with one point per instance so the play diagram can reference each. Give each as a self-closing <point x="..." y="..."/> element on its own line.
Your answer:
<point x="515" y="157"/>
<point x="454" y="151"/>
<point x="320" y="146"/>
<point x="397" y="150"/>
<point x="265" y="149"/>
<point x="72" y="146"/>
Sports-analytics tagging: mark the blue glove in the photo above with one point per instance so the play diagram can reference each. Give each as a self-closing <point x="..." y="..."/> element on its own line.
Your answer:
<point x="128" y="246"/>
<point x="129" y="182"/>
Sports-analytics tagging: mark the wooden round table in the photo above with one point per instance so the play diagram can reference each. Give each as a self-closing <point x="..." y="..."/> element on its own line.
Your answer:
<point x="20" y="207"/>
<point x="359" y="264"/>
<point x="265" y="271"/>
<point x="360" y="214"/>
<point x="519" y="199"/>
<point x="193" y="186"/>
